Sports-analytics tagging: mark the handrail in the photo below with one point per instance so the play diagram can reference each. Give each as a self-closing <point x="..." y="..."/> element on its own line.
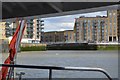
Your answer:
<point x="50" y="68"/>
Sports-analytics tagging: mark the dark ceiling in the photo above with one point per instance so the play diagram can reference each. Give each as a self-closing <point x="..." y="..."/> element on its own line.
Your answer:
<point x="24" y="9"/>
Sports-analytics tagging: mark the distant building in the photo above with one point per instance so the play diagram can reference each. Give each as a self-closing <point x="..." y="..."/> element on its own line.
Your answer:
<point x="99" y="28"/>
<point x="69" y="36"/>
<point x="53" y="37"/>
<point x="10" y="28"/>
<point x="3" y="40"/>
<point x="58" y="36"/>
<point x="2" y="30"/>
<point x="32" y="32"/>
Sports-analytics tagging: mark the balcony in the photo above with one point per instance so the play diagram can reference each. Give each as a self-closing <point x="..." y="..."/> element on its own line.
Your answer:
<point x="30" y="22"/>
<point x="42" y="32"/>
<point x="40" y="21"/>
<point x="14" y="29"/>
<point x="7" y="23"/>
<point x="38" y="37"/>
<point x="28" y="36"/>
<point x="39" y="27"/>
<point x="28" y="30"/>
<point x="31" y="27"/>
<point x="42" y="25"/>
<point x="39" y="30"/>
<point x="7" y="28"/>
<point x="7" y="34"/>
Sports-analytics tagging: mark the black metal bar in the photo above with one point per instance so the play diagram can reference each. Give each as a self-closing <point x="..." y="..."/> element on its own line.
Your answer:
<point x="31" y="66"/>
<point x="89" y="69"/>
<point x="50" y="68"/>
<point x="50" y="74"/>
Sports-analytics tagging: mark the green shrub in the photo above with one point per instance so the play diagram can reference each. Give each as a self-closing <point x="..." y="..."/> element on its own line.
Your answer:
<point x="33" y="48"/>
<point x="109" y="47"/>
<point x="71" y="47"/>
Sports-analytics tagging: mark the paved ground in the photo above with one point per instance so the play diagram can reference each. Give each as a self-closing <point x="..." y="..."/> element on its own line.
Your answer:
<point x="107" y="60"/>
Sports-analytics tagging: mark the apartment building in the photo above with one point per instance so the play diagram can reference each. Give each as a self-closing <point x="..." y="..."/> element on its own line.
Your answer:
<point x="113" y="26"/>
<point x="69" y="36"/>
<point x="32" y="32"/>
<point x="3" y="40"/>
<point x="97" y="29"/>
<point x="59" y="36"/>
<point x="10" y="28"/>
<point x="2" y="30"/>
<point x="53" y="37"/>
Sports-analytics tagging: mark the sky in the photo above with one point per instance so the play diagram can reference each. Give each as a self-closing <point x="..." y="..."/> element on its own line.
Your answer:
<point x="62" y="23"/>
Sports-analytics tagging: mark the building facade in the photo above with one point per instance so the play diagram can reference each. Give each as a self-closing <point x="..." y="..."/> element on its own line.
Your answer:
<point x="2" y="30"/>
<point x="10" y="28"/>
<point x="53" y="37"/>
<point x="69" y="36"/>
<point x="97" y="29"/>
<point x="3" y="40"/>
<point x="118" y="22"/>
<point x="32" y="32"/>
<point x="59" y="36"/>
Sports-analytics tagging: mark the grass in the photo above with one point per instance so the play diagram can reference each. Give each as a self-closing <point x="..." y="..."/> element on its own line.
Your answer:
<point x="90" y="47"/>
<point x="109" y="47"/>
<point x="34" y="48"/>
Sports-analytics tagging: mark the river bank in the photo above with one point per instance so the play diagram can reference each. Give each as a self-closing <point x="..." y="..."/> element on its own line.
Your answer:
<point x="76" y="47"/>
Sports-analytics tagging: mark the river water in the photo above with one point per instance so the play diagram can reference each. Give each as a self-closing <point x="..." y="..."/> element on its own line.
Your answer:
<point x="107" y="60"/>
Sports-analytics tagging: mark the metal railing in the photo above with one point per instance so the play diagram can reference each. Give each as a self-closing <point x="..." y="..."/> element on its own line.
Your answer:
<point x="51" y="68"/>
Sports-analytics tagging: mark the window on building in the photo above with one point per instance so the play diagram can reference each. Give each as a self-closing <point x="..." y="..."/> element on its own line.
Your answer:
<point x="85" y="21"/>
<point x="81" y="24"/>
<point x="115" y="20"/>
<point x="102" y="31"/>
<point x="110" y="21"/>
<point x="114" y="30"/>
<point x="77" y="27"/>
<point x="110" y="38"/>
<point x="114" y="14"/>
<point x="77" y="20"/>
<point x="77" y="24"/>
<point x="99" y="30"/>
<point x="114" y="38"/>
<point x="110" y="14"/>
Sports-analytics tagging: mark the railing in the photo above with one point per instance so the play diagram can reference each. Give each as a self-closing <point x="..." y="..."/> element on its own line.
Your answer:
<point x="51" y="68"/>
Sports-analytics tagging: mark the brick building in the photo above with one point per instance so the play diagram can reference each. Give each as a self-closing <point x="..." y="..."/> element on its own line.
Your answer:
<point x="98" y="29"/>
<point x="59" y="36"/>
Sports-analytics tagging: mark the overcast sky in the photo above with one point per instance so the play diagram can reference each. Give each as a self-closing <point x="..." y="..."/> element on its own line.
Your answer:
<point x="66" y="22"/>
